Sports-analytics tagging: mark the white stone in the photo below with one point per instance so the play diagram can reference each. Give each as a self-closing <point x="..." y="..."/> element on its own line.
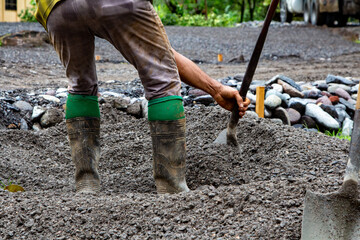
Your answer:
<point x="61" y="90"/>
<point x="251" y="97"/>
<point x="144" y="108"/>
<point x="321" y="117"/>
<point x="23" y="106"/>
<point x="38" y="111"/>
<point x="277" y="87"/>
<point x="272" y="102"/>
<point x="50" y="98"/>
<point x="111" y="94"/>
<point x="62" y="95"/>
<point x="347" y="127"/>
<point x="333" y="86"/>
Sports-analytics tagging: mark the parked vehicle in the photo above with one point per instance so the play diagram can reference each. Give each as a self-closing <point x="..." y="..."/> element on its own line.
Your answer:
<point x="319" y="12"/>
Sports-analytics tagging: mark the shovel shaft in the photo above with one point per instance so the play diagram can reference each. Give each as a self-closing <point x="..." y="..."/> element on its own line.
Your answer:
<point x="250" y="70"/>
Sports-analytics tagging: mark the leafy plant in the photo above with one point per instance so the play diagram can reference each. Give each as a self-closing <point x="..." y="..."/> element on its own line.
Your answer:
<point x="28" y="15"/>
<point x="338" y="134"/>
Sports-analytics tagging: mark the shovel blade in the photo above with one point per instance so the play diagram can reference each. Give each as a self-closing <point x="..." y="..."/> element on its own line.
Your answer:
<point x="221" y="139"/>
<point x="330" y="216"/>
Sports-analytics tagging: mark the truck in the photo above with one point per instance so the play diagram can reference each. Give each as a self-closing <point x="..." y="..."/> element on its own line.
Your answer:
<point x="320" y="12"/>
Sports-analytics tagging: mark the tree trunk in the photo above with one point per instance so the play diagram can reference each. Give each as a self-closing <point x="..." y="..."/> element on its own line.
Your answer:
<point x="252" y="4"/>
<point x="242" y="10"/>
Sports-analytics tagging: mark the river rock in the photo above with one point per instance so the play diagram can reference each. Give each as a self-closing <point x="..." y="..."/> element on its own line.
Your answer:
<point x="267" y="113"/>
<point x="314" y="93"/>
<point x="281" y="114"/>
<point x="355" y="88"/>
<point x="272" y="102"/>
<point x="325" y="93"/>
<point x="23" y="106"/>
<point x="144" y="108"/>
<point x="205" y="99"/>
<point x="342" y="93"/>
<point x="298" y="104"/>
<point x="61" y="90"/>
<point x="251" y="115"/>
<point x="306" y="87"/>
<point x="251" y="97"/>
<point x="135" y="110"/>
<point x="36" y="127"/>
<point x="347" y="127"/>
<point x="338" y="79"/>
<point x="334" y="100"/>
<point x="341" y="114"/>
<point x="287" y="88"/>
<point x="284" y="79"/>
<point x="349" y="107"/>
<point x="51" y="117"/>
<point x="294" y="116"/>
<point x="308" y="121"/>
<point x="50" y="98"/>
<point x="277" y="87"/>
<point x="333" y="86"/>
<point x="121" y="103"/>
<point x="354" y="96"/>
<point x="24" y="125"/>
<point x="324" y="100"/>
<point x="321" y="117"/>
<point x="38" y="111"/>
<point x="197" y="93"/>
<point x="323" y="86"/>
<point x="330" y="110"/>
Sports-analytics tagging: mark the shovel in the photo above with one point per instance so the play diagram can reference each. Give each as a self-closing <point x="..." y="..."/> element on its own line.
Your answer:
<point x="337" y="215"/>
<point x="228" y="136"/>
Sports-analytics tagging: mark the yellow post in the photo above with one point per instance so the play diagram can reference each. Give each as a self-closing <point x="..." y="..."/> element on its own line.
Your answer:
<point x="260" y="98"/>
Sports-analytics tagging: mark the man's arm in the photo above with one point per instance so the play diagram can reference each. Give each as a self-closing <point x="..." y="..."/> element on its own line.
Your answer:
<point x="192" y="75"/>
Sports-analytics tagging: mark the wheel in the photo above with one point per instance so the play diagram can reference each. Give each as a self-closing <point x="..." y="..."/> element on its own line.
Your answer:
<point x="317" y="18"/>
<point x="306" y="12"/>
<point x="285" y="15"/>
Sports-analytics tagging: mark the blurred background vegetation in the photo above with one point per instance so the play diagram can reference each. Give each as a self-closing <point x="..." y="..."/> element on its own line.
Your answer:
<point x="214" y="13"/>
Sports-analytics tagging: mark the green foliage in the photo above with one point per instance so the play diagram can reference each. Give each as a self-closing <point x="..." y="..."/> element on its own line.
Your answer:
<point x="214" y="13"/>
<point x="338" y="134"/>
<point x="28" y="15"/>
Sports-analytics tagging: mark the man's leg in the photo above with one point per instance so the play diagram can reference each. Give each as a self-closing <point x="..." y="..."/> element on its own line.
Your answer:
<point x="75" y="46"/>
<point x="137" y="32"/>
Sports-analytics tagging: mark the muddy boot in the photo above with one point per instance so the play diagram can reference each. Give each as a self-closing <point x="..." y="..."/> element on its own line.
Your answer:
<point x="84" y="136"/>
<point x="169" y="152"/>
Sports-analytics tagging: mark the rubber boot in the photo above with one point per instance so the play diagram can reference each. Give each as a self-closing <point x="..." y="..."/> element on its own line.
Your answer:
<point x="84" y="136"/>
<point x="169" y="152"/>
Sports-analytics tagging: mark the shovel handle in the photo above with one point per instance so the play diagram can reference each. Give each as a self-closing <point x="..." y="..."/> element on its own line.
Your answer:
<point x="250" y="70"/>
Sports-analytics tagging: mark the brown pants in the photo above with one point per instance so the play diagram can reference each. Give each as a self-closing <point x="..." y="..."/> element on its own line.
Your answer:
<point x="131" y="26"/>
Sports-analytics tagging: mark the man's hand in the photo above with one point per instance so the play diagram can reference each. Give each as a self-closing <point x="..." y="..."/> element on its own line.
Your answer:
<point x="226" y="97"/>
<point x="192" y="75"/>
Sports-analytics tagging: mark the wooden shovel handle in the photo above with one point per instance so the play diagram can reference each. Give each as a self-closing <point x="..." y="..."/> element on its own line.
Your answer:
<point x="250" y="70"/>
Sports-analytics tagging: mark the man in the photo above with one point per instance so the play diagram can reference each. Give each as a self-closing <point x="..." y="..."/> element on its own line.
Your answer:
<point x="134" y="28"/>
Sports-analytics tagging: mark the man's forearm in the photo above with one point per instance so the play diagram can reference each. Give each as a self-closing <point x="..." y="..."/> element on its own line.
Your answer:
<point x="192" y="75"/>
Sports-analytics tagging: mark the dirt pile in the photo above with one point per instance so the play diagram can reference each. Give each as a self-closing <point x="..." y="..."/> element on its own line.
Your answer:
<point x="256" y="193"/>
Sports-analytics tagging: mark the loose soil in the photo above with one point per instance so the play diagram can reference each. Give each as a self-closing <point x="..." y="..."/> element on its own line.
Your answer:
<point x="255" y="193"/>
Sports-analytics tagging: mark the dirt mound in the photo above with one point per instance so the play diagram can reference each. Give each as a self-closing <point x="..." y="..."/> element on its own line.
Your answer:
<point x="254" y="193"/>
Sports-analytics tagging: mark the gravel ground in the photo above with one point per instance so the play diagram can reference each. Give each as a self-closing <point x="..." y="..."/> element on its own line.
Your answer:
<point x="257" y="193"/>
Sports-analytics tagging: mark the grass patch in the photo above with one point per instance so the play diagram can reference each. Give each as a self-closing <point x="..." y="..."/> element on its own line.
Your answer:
<point x="338" y="134"/>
